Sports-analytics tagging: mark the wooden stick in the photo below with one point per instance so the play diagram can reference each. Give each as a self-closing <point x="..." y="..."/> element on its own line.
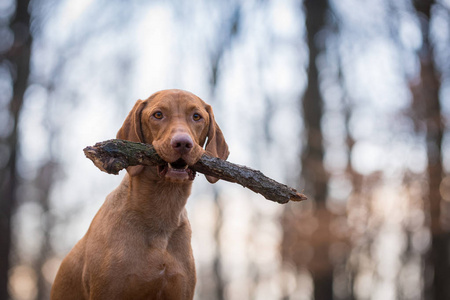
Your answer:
<point x="114" y="155"/>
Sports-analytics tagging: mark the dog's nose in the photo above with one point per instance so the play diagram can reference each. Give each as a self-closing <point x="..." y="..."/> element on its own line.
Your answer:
<point x="182" y="143"/>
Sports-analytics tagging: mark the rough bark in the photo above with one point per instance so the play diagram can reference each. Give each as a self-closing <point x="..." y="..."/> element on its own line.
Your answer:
<point x="114" y="155"/>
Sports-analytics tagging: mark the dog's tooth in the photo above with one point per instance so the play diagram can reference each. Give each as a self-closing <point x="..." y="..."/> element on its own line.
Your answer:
<point x="185" y="167"/>
<point x="170" y="166"/>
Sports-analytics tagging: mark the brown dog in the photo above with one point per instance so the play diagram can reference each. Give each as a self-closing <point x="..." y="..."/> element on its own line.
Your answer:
<point x="139" y="244"/>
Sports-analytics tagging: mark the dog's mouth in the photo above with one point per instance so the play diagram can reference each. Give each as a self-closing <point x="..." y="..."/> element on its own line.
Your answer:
<point x="176" y="171"/>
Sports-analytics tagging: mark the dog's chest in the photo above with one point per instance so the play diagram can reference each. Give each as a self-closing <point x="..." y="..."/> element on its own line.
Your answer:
<point x="163" y="264"/>
<point x="159" y="275"/>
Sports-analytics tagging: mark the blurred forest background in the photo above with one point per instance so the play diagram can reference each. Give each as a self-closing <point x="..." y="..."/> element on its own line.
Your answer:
<point x="346" y="99"/>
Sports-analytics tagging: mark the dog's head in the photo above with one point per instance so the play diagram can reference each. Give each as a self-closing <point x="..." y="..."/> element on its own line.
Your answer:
<point x="177" y="123"/>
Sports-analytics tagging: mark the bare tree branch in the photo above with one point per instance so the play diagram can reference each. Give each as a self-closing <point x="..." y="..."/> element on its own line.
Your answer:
<point x="114" y="155"/>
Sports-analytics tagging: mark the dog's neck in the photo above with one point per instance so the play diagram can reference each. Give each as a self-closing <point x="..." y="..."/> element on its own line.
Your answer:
<point x="159" y="203"/>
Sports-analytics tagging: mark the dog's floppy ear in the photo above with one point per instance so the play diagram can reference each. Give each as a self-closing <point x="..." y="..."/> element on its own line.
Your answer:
<point x="131" y="130"/>
<point x="216" y="145"/>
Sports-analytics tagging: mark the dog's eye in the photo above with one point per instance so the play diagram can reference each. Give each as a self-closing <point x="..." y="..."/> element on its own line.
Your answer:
<point x="158" y="115"/>
<point x="196" y="117"/>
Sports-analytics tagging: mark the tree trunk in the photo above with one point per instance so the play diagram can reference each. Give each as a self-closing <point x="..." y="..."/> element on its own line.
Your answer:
<point x="19" y="58"/>
<point x="427" y="93"/>
<point x="314" y="176"/>
<point x="313" y="171"/>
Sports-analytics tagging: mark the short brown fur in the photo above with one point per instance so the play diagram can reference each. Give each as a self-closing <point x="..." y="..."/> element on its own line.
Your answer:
<point x="139" y="244"/>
